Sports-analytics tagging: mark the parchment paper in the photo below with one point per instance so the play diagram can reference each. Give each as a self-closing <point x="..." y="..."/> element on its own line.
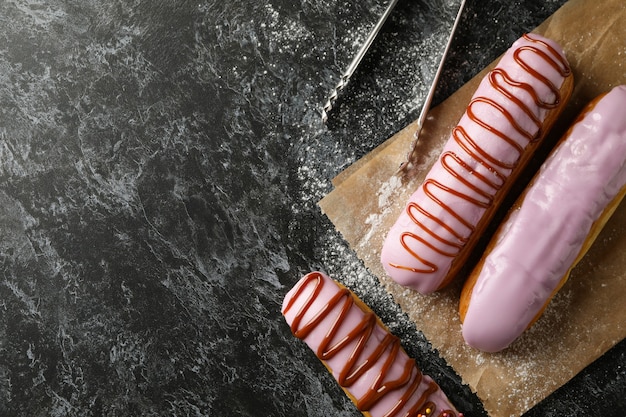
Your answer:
<point x="587" y="317"/>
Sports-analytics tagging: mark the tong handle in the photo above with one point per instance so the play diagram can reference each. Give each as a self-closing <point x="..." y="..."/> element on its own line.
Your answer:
<point x="431" y="92"/>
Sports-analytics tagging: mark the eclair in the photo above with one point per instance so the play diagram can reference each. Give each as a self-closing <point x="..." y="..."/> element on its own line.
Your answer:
<point x="513" y="108"/>
<point x="549" y="228"/>
<point x="367" y="360"/>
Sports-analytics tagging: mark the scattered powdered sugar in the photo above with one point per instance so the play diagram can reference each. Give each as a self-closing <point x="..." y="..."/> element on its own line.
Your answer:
<point x="479" y="358"/>
<point x="388" y="190"/>
<point x="284" y="30"/>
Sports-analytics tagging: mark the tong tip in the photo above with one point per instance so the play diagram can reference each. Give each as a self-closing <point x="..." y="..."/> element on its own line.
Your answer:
<point x="332" y="98"/>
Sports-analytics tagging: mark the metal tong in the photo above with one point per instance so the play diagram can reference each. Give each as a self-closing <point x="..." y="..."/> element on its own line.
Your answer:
<point x="343" y="81"/>
<point x="363" y="50"/>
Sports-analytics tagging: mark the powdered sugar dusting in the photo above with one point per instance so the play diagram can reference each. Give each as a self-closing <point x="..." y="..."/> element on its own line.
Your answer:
<point x="386" y="197"/>
<point x="387" y="191"/>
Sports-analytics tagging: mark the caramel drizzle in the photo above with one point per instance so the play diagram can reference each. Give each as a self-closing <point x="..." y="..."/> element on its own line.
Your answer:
<point x="411" y="376"/>
<point x="445" y="239"/>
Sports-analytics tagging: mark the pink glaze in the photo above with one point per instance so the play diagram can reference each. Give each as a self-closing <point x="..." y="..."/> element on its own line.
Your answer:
<point x="539" y="242"/>
<point x="311" y="299"/>
<point x="503" y="118"/>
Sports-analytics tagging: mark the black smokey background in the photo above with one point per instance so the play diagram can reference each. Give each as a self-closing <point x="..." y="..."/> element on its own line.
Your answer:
<point x="160" y="165"/>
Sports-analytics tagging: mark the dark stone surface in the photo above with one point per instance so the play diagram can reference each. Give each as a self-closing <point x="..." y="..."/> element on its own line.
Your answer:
<point x="160" y="165"/>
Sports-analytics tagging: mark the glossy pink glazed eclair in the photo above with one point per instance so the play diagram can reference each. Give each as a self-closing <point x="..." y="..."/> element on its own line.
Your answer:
<point x="363" y="356"/>
<point x="550" y="227"/>
<point x="512" y="109"/>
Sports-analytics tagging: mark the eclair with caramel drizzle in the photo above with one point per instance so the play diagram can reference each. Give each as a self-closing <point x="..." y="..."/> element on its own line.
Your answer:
<point x="549" y="228"/>
<point x="364" y="357"/>
<point x="513" y="108"/>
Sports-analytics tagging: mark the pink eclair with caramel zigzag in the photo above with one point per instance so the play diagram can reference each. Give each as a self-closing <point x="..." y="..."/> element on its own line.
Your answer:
<point x="364" y="357"/>
<point x="513" y="108"/>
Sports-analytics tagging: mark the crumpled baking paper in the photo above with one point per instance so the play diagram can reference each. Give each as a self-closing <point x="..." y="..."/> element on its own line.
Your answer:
<point x="587" y="317"/>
